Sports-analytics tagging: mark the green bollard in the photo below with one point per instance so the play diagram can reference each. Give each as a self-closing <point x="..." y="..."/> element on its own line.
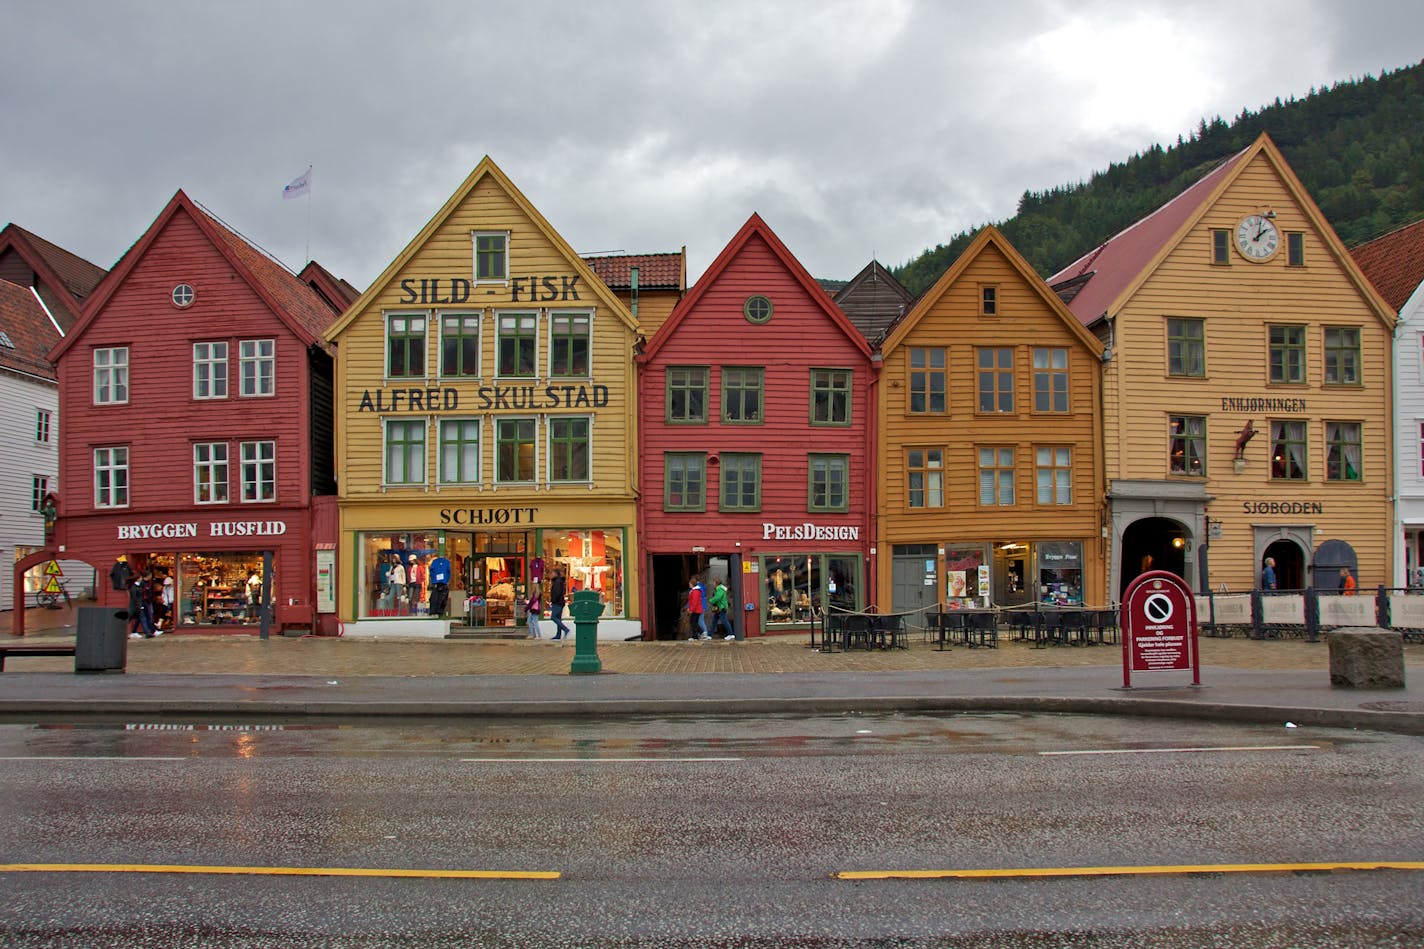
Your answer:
<point x="586" y="608"/>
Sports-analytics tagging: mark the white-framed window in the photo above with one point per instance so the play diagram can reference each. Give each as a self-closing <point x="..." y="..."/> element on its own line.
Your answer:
<point x="491" y="252"/>
<point x="405" y="451"/>
<point x="257" y="367"/>
<point x="43" y="420"/>
<point x="1053" y="472"/>
<point x="210" y="370"/>
<point x="460" y="451"/>
<point x="259" y="470"/>
<point x="570" y="448"/>
<point x="210" y="473"/>
<point x="111" y="477"/>
<point x="39" y="487"/>
<point x="111" y="375"/>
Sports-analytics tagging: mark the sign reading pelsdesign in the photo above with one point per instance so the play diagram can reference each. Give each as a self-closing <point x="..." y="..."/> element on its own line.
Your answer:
<point x="808" y="531"/>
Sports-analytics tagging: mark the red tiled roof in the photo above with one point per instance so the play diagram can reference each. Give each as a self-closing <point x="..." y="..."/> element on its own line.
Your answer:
<point x="78" y="275"/>
<point x="1394" y="263"/>
<point x="655" y="271"/>
<point x="29" y="330"/>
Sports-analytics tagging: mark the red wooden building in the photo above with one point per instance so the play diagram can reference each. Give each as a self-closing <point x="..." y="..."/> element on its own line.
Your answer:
<point x="755" y="431"/>
<point x="196" y="391"/>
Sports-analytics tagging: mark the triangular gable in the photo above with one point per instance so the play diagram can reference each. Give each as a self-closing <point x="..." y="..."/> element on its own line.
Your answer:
<point x="1146" y="244"/>
<point x="70" y="276"/>
<point x="486" y="168"/>
<point x="755" y="226"/>
<point x="293" y="303"/>
<point x="868" y="318"/>
<point x="990" y="235"/>
<point x="337" y="293"/>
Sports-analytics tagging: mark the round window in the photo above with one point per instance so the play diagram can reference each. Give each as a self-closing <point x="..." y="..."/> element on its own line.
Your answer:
<point x="182" y="295"/>
<point x="757" y="309"/>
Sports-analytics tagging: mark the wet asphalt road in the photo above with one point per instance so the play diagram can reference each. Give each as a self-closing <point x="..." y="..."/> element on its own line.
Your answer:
<point x="708" y="832"/>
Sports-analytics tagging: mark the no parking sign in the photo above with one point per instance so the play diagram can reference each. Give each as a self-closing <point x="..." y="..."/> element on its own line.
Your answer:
<point x="1159" y="627"/>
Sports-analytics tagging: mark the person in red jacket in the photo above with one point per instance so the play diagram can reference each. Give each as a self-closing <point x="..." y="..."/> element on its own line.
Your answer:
<point x="696" y="606"/>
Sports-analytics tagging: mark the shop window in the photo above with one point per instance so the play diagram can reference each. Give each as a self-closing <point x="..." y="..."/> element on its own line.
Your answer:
<point x="1187" y="445"/>
<point x="460" y="344"/>
<point x="928" y="380"/>
<point x="996" y="477"/>
<point x="405" y="452"/>
<point x="964" y="568"/>
<point x="111" y="376"/>
<point x="218" y="589"/>
<point x="405" y="345"/>
<point x="517" y="342"/>
<point x="459" y="451"/>
<point x="1050" y="379"/>
<point x="1060" y="573"/>
<point x="43" y="418"/>
<point x="1343" y="451"/>
<point x="828" y="476"/>
<point x="569" y="448"/>
<point x="257" y="367"/>
<point x="491" y="256"/>
<point x="925" y="467"/>
<point x="684" y="481"/>
<point x="1186" y="347"/>
<point x="741" y="482"/>
<point x="830" y="396"/>
<point x="210" y="473"/>
<point x="590" y="559"/>
<point x="1288" y="457"/>
<point x="111" y="477"/>
<point x="514" y="450"/>
<point x="742" y="394"/>
<point x="1342" y="355"/>
<point x="1054" y="470"/>
<point x="996" y="379"/>
<point x="569" y="344"/>
<point x="210" y="370"/>
<point x="259" y="470"/>
<point x="687" y="395"/>
<point x="793" y="588"/>
<point x="1287" y="353"/>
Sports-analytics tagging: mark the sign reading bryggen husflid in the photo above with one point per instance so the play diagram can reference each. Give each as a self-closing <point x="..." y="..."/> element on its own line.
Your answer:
<point x="484" y="421"/>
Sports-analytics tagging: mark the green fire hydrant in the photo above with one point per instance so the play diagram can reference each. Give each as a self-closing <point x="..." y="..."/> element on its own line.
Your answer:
<point x="586" y="608"/>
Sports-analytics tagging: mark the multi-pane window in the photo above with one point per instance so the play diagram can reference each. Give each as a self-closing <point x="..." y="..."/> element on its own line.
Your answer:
<point x="405" y="451"/>
<point x="741" y="482"/>
<point x="1287" y="353"/>
<point x="1186" y="450"/>
<point x="1288" y="458"/>
<point x="459" y="451"/>
<point x="830" y="396"/>
<point x="459" y="344"/>
<point x="518" y="341"/>
<point x="827" y="477"/>
<point x="111" y="477"/>
<point x="1054" y="473"/>
<point x="687" y="394"/>
<point x="996" y="380"/>
<point x="257" y="367"/>
<point x="111" y="375"/>
<point x="988" y="301"/>
<point x="569" y="448"/>
<point x="569" y="344"/>
<point x="514" y="450"/>
<point x="927" y="380"/>
<point x="1342" y="451"/>
<point x="925" y="467"/>
<point x="1186" y="347"/>
<point x="210" y="473"/>
<point x="210" y="370"/>
<point x="259" y="470"/>
<point x="996" y="477"/>
<point x="1342" y="355"/>
<point x="39" y="487"/>
<point x="742" y="394"/>
<point x="405" y="345"/>
<point x="1050" y="379"/>
<point x="684" y="481"/>
<point x="491" y="257"/>
<point x="42" y="425"/>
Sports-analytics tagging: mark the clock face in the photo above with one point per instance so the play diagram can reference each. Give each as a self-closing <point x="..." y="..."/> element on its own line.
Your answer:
<point x="1257" y="237"/>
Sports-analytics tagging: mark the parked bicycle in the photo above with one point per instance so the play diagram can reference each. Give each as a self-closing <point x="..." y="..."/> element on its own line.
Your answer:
<point x="51" y="601"/>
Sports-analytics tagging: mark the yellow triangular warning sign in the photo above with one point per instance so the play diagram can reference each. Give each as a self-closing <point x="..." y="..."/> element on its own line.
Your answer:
<point x="52" y="569"/>
<point x="53" y="586"/>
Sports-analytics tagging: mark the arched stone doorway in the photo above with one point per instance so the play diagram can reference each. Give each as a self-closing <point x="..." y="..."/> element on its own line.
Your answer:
<point x="1152" y="543"/>
<point x="1287" y="546"/>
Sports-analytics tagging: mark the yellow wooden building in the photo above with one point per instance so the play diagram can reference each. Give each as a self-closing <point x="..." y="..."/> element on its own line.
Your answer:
<point x="484" y="416"/>
<point x="1246" y="387"/>
<point x="989" y="486"/>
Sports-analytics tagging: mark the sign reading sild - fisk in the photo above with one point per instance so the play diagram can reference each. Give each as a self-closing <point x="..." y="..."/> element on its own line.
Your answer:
<point x="436" y="290"/>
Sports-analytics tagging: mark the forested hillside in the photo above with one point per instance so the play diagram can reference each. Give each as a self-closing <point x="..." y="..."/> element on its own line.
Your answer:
<point x="1358" y="147"/>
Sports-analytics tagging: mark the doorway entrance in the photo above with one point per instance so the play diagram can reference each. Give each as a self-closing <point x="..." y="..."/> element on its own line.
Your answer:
<point x="1152" y="543"/>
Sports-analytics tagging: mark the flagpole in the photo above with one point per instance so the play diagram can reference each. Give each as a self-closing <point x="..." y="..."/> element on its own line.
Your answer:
<point x="308" y="260"/>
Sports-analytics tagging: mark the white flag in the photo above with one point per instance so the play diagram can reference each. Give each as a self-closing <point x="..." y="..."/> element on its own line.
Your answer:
<point x="299" y="186"/>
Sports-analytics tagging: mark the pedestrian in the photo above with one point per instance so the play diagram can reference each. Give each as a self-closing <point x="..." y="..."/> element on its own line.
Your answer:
<point x="556" y="604"/>
<point x="533" y="606"/>
<point x="1268" y="574"/>
<point x="696" y="605"/>
<point x="719" y="611"/>
<point x="1347" y="582"/>
<point x="141" y="609"/>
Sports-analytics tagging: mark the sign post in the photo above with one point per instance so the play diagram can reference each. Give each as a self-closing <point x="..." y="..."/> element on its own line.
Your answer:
<point x="1159" y="627"/>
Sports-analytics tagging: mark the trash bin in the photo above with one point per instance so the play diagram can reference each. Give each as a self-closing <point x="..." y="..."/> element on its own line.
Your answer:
<point x="101" y="641"/>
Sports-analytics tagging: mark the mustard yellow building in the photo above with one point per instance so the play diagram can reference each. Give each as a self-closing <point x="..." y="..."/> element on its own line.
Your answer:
<point x="1246" y="387"/>
<point x="989" y="487"/>
<point x="484" y="425"/>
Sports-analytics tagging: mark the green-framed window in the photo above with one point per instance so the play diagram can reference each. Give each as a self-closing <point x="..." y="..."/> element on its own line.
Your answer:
<point x="570" y="336"/>
<point x="929" y="380"/>
<point x="1186" y="347"/>
<point x="741" y="481"/>
<point x="1186" y="445"/>
<point x="405" y="451"/>
<point x="687" y="395"/>
<point x="460" y="344"/>
<point x="828" y="480"/>
<point x="569" y="448"/>
<point x="1342" y="355"/>
<point x="1344" y="450"/>
<point x="684" y="481"/>
<point x="830" y="396"/>
<point x="996" y="379"/>
<point x="405" y="345"/>
<point x="1289" y="461"/>
<point x="491" y="256"/>
<point x="925" y="468"/>
<point x="459" y="451"/>
<point x="1287" y="353"/>
<point x="996" y="477"/>
<point x="1050" y="379"/>
<point x="518" y="344"/>
<point x="514" y="450"/>
<point x="742" y="394"/>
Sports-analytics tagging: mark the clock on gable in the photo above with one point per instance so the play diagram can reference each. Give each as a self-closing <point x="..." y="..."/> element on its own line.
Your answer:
<point x="1257" y="238"/>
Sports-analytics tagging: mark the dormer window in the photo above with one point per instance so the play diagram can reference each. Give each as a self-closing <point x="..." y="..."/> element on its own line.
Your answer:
<point x="491" y="256"/>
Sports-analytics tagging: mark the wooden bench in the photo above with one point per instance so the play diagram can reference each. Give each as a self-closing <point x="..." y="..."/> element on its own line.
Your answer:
<point x="33" y="649"/>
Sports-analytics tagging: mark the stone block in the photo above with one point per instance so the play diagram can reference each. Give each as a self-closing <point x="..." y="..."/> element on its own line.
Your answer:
<point x="1366" y="658"/>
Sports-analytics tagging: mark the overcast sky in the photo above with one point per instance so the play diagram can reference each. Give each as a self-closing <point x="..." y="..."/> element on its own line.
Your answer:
<point x="856" y="129"/>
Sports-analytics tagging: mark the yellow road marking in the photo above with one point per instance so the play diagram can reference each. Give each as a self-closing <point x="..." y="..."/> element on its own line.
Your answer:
<point x="1126" y="871"/>
<point x="278" y="871"/>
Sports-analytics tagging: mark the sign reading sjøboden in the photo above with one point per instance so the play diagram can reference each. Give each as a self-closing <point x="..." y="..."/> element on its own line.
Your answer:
<point x="1159" y="627"/>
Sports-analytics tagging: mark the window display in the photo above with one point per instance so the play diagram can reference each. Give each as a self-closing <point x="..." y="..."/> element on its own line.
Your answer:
<point x="798" y="587"/>
<point x="1060" y="573"/>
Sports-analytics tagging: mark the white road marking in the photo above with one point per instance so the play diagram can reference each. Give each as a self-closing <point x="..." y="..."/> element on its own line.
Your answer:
<point x="1171" y="751"/>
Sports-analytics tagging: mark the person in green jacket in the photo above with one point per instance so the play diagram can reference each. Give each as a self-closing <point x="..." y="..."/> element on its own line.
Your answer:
<point x="719" y="611"/>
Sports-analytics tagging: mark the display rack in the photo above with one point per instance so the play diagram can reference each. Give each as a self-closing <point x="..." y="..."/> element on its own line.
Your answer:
<point x="223" y="605"/>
